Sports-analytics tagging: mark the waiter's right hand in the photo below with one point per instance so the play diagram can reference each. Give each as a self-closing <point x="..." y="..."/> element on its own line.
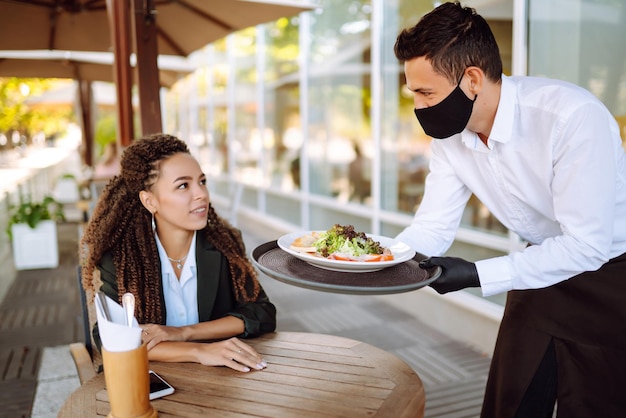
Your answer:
<point x="456" y="273"/>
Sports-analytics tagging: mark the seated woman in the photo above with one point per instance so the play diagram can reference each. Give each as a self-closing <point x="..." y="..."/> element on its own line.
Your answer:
<point x="154" y="233"/>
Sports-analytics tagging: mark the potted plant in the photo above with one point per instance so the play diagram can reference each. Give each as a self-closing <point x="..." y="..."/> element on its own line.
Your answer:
<point x="66" y="189"/>
<point x="32" y="230"/>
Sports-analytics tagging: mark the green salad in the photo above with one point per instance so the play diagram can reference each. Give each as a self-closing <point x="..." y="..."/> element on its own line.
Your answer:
<point x="345" y="240"/>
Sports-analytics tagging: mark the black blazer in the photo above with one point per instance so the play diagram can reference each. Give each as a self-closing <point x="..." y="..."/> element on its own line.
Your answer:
<point x="215" y="293"/>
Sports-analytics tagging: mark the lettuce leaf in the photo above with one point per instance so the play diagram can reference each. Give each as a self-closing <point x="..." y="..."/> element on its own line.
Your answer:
<point x="345" y="240"/>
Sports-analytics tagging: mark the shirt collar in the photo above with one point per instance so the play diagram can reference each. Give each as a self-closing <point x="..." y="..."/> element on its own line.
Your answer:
<point x="190" y="261"/>
<point x="502" y="128"/>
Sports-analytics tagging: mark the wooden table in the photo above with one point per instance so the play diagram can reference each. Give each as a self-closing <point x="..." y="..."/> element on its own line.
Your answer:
<point x="308" y="375"/>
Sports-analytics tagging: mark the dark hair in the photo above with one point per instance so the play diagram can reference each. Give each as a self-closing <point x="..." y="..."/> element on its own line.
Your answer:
<point x="120" y="224"/>
<point x="452" y="38"/>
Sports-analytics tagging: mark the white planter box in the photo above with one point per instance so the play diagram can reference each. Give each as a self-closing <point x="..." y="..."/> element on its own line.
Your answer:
<point x="35" y="248"/>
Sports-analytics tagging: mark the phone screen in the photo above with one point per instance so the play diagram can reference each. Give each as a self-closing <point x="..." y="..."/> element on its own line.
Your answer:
<point x="158" y="386"/>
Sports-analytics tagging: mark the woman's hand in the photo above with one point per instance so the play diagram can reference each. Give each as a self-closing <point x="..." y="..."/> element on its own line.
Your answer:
<point x="231" y="353"/>
<point x="153" y="334"/>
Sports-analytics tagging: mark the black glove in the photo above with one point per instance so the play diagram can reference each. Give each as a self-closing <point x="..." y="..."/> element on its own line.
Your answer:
<point x="456" y="273"/>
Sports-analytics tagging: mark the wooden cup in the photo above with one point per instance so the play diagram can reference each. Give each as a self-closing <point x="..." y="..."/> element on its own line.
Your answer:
<point x="128" y="383"/>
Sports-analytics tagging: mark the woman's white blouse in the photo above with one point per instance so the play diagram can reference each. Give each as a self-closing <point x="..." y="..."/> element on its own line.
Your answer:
<point x="181" y="296"/>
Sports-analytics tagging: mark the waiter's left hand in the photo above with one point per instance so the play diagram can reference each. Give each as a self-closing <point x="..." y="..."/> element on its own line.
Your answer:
<point x="456" y="273"/>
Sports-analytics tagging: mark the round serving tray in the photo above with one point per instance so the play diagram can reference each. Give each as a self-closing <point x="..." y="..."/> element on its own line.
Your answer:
<point x="404" y="277"/>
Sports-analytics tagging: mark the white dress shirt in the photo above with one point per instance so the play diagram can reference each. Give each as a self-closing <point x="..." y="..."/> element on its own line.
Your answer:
<point x="181" y="295"/>
<point x="554" y="172"/>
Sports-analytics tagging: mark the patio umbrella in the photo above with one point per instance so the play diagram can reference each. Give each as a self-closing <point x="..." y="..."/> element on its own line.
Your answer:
<point x="65" y="95"/>
<point x="170" y="27"/>
<point x="84" y="67"/>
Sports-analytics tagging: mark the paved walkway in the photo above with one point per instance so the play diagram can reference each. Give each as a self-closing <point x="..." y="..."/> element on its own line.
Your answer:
<point x="41" y="309"/>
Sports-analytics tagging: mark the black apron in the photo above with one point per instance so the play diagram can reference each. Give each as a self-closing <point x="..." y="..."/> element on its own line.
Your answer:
<point x="585" y="316"/>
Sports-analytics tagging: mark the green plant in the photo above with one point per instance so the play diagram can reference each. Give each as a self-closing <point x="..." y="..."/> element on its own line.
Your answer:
<point x="31" y="213"/>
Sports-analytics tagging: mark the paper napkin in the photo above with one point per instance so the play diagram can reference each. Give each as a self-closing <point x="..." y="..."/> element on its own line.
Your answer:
<point x="115" y="334"/>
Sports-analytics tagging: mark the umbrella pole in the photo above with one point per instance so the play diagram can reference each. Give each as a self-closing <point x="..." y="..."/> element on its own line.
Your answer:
<point x="147" y="67"/>
<point x="85" y="95"/>
<point x="119" y="22"/>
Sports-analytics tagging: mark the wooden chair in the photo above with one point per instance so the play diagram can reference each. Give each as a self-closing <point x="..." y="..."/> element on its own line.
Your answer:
<point x="82" y="352"/>
<point x="82" y="361"/>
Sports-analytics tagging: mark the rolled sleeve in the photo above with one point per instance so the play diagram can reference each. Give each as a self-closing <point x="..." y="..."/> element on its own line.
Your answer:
<point x="259" y="317"/>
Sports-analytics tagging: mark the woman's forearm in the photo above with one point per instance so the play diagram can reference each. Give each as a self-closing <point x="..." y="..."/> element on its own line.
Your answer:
<point x="175" y="352"/>
<point x="217" y="329"/>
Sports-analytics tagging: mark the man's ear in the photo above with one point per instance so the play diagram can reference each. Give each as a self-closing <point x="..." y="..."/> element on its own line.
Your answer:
<point x="476" y="78"/>
<point x="147" y="200"/>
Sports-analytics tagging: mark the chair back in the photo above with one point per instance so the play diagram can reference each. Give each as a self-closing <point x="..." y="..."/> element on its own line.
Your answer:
<point x="82" y="352"/>
<point x="89" y="317"/>
<point x="83" y="304"/>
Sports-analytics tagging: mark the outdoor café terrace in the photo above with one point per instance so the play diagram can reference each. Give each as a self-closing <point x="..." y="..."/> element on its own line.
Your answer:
<point x="40" y="315"/>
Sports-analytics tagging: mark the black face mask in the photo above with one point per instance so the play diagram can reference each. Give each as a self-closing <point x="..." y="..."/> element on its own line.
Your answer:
<point x="448" y="117"/>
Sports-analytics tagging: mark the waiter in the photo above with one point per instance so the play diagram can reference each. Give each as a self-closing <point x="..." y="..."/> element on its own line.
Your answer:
<point x="546" y="158"/>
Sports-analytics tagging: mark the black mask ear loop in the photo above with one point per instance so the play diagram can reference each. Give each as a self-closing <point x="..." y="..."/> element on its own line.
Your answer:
<point x="458" y="83"/>
<point x="459" y="86"/>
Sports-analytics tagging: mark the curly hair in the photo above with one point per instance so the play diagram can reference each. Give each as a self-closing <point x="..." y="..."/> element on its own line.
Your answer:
<point x="452" y="38"/>
<point x="123" y="226"/>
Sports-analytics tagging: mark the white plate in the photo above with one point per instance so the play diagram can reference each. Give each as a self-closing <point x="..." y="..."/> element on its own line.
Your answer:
<point x="401" y="253"/>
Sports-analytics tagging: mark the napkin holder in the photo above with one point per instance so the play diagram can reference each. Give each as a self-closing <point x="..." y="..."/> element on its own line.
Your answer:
<point x="128" y="383"/>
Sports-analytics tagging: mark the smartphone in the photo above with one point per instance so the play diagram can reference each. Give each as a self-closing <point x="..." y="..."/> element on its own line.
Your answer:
<point x="158" y="386"/>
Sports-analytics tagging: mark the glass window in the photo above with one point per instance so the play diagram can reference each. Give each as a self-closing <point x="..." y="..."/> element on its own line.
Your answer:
<point x="339" y="131"/>
<point x="170" y="122"/>
<point x="582" y="44"/>
<point x="247" y="142"/>
<point x="211" y="82"/>
<point x="405" y="148"/>
<point x="282" y="104"/>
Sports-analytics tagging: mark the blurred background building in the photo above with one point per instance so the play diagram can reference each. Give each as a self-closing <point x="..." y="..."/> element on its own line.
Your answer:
<point x="282" y="111"/>
<point x="306" y="121"/>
